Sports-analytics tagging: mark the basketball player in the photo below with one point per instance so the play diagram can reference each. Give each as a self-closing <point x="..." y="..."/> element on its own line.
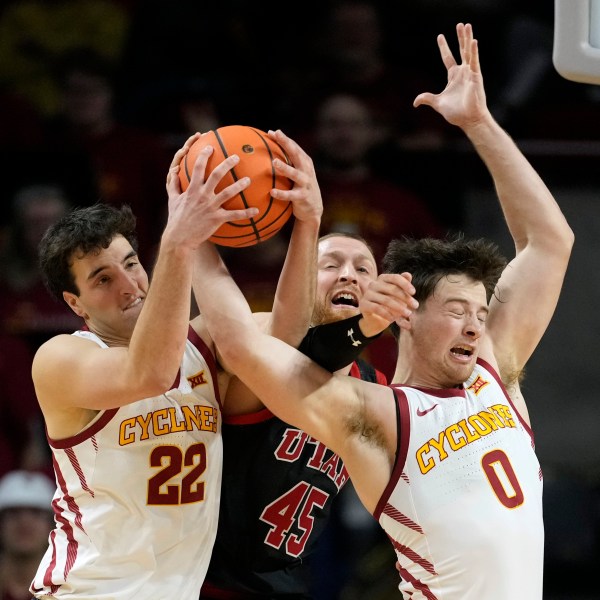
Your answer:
<point x="271" y="468"/>
<point x="444" y="457"/>
<point x="132" y="402"/>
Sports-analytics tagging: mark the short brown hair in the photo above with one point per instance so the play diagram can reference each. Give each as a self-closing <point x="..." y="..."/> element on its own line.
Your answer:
<point x="82" y="230"/>
<point x="430" y="259"/>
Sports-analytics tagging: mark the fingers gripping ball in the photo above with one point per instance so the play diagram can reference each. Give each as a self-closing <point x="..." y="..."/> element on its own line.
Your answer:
<point x="256" y="151"/>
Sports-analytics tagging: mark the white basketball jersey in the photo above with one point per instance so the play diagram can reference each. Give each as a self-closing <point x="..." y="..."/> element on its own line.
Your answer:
<point x="138" y="490"/>
<point x="463" y="508"/>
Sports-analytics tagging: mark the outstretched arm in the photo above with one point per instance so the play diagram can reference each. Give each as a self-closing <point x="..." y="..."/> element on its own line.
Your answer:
<point x="65" y="365"/>
<point x="288" y="382"/>
<point x="295" y="294"/>
<point x="529" y="288"/>
<point x="333" y="409"/>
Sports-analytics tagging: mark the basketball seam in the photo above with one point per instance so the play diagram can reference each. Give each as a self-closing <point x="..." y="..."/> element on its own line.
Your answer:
<point x="273" y="174"/>
<point x="270" y="224"/>
<point x="273" y="213"/>
<point x="185" y="167"/>
<point x="235" y="178"/>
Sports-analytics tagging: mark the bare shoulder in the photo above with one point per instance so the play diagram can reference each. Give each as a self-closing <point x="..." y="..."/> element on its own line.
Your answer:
<point x="60" y="352"/>
<point x="55" y="370"/>
<point x="57" y="359"/>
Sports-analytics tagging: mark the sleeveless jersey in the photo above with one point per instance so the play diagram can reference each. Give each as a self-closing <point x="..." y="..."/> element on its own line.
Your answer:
<point x="278" y="488"/>
<point x="463" y="507"/>
<point x="138" y="492"/>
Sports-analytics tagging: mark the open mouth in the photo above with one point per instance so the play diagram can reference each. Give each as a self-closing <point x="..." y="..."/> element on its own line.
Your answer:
<point x="462" y="351"/>
<point x="345" y="299"/>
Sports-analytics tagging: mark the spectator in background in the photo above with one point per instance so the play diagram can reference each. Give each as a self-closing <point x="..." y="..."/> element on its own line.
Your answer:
<point x="36" y="34"/>
<point x="22" y="439"/>
<point x="356" y="200"/>
<point x="25" y="523"/>
<point x="25" y="308"/>
<point x="175" y="108"/>
<point x="128" y="162"/>
<point x="160" y="59"/>
<point x="353" y="53"/>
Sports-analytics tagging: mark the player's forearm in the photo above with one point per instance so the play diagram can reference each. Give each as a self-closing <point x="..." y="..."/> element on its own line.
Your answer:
<point x="531" y="213"/>
<point x="222" y="305"/>
<point x="158" y="340"/>
<point x="295" y="295"/>
<point x="265" y="364"/>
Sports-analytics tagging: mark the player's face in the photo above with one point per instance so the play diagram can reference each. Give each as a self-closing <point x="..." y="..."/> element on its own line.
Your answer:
<point x="446" y="332"/>
<point x="345" y="269"/>
<point x="113" y="286"/>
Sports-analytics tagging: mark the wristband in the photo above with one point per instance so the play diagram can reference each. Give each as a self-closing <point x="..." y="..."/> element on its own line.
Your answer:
<point x="336" y="345"/>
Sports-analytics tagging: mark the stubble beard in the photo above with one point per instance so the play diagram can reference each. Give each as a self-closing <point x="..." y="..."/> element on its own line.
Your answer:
<point x="323" y="314"/>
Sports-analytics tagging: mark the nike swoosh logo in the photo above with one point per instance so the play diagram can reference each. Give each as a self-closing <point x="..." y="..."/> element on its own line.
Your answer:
<point x="422" y="413"/>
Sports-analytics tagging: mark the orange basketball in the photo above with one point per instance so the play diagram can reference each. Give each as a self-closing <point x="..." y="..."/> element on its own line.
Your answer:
<point x="256" y="151"/>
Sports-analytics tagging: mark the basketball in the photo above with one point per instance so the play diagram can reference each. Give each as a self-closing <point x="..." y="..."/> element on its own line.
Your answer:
<point x="256" y="151"/>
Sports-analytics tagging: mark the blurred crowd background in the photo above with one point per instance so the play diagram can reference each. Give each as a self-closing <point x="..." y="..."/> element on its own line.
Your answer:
<point x="97" y="95"/>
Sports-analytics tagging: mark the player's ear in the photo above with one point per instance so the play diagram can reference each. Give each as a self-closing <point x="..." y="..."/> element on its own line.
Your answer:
<point x="73" y="302"/>
<point x="406" y="322"/>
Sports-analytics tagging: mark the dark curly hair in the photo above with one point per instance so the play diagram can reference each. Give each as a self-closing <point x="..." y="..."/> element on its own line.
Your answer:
<point x="430" y="259"/>
<point x="81" y="231"/>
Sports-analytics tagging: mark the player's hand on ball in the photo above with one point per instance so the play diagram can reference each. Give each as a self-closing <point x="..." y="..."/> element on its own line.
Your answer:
<point x="257" y="153"/>
<point x="305" y="195"/>
<point x="196" y="213"/>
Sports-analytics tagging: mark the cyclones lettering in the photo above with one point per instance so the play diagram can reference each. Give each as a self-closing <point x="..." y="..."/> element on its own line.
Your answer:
<point x="168" y="420"/>
<point x="458" y="435"/>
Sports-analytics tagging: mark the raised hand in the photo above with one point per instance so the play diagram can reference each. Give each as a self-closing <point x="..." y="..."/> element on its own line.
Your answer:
<point x="388" y="299"/>
<point x="462" y="102"/>
<point x="194" y="215"/>
<point x="305" y="195"/>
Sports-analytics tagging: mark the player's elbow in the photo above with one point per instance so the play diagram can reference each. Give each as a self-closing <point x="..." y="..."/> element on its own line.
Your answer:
<point x="556" y="243"/>
<point x="234" y="337"/>
<point x="564" y="236"/>
<point x="234" y="357"/>
<point x="155" y="383"/>
<point x="235" y="348"/>
<point x="562" y="244"/>
<point x="569" y="239"/>
<point x="240" y="344"/>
